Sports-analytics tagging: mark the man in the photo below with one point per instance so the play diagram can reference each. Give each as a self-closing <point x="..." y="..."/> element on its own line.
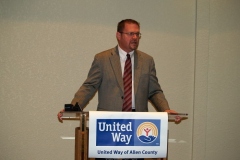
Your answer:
<point x="108" y="76"/>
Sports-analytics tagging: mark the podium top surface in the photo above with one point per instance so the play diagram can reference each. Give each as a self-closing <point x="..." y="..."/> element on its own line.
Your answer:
<point x="76" y="115"/>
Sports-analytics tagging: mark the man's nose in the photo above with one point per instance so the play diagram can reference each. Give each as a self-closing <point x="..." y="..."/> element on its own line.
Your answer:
<point x="135" y="36"/>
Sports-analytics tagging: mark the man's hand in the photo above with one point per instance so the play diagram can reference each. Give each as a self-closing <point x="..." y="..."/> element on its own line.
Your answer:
<point x="177" y="118"/>
<point x="59" y="115"/>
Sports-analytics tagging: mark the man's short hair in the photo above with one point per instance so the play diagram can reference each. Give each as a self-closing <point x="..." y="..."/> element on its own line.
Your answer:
<point x="122" y="23"/>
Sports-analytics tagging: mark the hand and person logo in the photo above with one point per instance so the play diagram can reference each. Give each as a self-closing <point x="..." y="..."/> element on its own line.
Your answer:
<point x="147" y="132"/>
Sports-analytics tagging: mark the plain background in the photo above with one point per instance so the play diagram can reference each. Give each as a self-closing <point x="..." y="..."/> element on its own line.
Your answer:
<point x="47" y="47"/>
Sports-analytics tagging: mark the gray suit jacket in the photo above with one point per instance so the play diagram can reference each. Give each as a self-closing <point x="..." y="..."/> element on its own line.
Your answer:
<point x="105" y="76"/>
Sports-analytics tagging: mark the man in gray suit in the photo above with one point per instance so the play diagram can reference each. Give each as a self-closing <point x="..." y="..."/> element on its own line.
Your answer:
<point x="106" y="76"/>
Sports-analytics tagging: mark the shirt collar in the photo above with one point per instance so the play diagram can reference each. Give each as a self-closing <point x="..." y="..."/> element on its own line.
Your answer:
<point x="123" y="54"/>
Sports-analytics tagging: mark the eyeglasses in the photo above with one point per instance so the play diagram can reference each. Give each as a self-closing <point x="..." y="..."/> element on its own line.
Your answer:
<point x="131" y="34"/>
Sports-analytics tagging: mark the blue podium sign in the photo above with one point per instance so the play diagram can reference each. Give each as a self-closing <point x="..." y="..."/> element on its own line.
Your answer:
<point x="127" y="134"/>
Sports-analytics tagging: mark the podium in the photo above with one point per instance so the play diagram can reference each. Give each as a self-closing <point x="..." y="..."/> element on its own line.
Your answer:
<point x="82" y="132"/>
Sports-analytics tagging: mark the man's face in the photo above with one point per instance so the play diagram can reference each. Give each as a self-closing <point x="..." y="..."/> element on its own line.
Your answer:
<point x="127" y="41"/>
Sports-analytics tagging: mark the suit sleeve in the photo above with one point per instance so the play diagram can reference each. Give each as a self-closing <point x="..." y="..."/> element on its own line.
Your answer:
<point x="156" y="95"/>
<point x="90" y="86"/>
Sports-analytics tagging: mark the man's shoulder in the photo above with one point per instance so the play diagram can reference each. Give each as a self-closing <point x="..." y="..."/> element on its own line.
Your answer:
<point x="143" y="54"/>
<point x="106" y="53"/>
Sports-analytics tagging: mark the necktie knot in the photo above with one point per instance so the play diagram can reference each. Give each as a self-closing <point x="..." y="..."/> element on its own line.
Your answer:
<point x="128" y="56"/>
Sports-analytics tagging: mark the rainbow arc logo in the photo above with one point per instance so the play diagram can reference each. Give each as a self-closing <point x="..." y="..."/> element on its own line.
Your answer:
<point x="147" y="132"/>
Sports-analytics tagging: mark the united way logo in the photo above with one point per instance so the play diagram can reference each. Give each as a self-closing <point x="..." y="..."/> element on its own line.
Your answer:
<point x="128" y="132"/>
<point x="147" y="132"/>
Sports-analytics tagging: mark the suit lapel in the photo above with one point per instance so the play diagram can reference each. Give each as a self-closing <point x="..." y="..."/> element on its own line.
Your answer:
<point x="115" y="62"/>
<point x="137" y="70"/>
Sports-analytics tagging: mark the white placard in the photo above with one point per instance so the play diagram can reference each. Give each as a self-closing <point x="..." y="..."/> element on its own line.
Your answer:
<point x="127" y="134"/>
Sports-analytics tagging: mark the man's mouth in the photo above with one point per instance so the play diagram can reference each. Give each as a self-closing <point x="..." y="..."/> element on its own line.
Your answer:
<point x="134" y="43"/>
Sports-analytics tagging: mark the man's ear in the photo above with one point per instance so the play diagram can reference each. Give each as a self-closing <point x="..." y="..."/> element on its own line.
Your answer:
<point x="118" y="35"/>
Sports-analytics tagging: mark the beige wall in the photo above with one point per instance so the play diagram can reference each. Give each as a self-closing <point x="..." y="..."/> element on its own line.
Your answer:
<point x="216" y="101"/>
<point x="46" y="49"/>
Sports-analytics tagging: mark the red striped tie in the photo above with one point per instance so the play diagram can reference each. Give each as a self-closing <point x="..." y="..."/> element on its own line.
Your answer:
<point x="127" y="83"/>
